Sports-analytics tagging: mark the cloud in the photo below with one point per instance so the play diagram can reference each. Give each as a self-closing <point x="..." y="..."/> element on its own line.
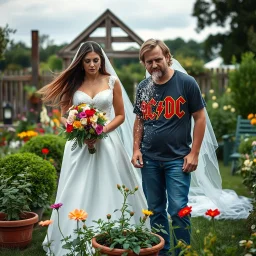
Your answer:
<point x="63" y="20"/>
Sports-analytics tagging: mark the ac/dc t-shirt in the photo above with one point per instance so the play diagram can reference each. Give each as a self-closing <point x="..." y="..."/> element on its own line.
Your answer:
<point x="166" y="112"/>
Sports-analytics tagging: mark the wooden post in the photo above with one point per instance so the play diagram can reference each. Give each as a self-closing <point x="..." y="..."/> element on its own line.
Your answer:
<point x="35" y="58"/>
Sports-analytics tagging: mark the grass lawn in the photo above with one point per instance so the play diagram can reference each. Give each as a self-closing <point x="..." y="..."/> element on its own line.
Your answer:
<point x="229" y="232"/>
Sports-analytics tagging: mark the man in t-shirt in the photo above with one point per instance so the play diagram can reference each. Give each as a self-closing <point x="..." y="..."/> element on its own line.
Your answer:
<point x="163" y="146"/>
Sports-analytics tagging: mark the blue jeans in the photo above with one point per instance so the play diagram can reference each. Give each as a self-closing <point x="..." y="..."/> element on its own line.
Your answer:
<point x="164" y="181"/>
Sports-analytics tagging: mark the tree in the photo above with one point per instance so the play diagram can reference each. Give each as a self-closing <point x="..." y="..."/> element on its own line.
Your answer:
<point x="179" y="47"/>
<point x="241" y="18"/>
<point x="4" y="39"/>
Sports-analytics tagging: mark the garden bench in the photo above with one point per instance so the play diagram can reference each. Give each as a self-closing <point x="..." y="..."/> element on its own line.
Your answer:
<point x="244" y="129"/>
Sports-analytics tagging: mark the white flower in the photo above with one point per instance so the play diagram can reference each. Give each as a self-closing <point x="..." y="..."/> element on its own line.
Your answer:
<point x="83" y="121"/>
<point x="233" y="110"/>
<point x="228" y="90"/>
<point x="211" y="91"/>
<point x="70" y="119"/>
<point x="94" y="119"/>
<point x="73" y="112"/>
<point x="86" y="108"/>
<point x="225" y="108"/>
<point x="214" y="97"/>
<point x="248" y="163"/>
<point x="253" y="227"/>
<point x="248" y="254"/>
<point x="242" y="242"/>
<point x="215" y="105"/>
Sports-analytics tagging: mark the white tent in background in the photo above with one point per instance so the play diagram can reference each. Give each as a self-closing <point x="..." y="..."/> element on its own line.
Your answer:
<point x="218" y="63"/>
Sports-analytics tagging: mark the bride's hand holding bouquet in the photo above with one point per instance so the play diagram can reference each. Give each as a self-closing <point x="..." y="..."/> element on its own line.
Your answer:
<point x="85" y="125"/>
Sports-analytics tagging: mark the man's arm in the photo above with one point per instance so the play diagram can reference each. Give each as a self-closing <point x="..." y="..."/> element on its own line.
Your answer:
<point x="191" y="160"/>
<point x="137" y="137"/>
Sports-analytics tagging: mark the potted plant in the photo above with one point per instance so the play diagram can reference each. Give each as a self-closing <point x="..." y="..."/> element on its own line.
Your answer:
<point x="111" y="237"/>
<point x="16" y="220"/>
<point x="31" y="93"/>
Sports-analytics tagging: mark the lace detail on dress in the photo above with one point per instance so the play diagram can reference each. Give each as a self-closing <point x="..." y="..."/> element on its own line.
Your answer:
<point x="111" y="82"/>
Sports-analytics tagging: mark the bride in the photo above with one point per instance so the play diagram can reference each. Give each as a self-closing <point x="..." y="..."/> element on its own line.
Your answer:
<point x="88" y="181"/>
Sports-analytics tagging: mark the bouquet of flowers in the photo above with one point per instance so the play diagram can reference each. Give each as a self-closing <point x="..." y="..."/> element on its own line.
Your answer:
<point x="85" y="122"/>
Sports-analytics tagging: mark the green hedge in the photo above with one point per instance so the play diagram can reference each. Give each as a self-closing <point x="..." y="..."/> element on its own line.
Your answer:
<point x="54" y="143"/>
<point x="42" y="175"/>
<point x="245" y="146"/>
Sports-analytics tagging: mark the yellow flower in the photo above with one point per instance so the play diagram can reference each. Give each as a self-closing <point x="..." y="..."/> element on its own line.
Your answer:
<point x="147" y="212"/>
<point x="215" y="105"/>
<point x="214" y="97"/>
<point x="211" y="91"/>
<point x="56" y="121"/>
<point x="77" y="124"/>
<point x="78" y="215"/>
<point x="45" y="223"/>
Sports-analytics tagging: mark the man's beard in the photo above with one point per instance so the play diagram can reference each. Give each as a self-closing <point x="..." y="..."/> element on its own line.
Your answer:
<point x="157" y="74"/>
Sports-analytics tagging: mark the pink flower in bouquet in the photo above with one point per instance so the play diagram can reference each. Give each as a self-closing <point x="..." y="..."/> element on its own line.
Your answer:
<point x="99" y="129"/>
<point x="82" y="115"/>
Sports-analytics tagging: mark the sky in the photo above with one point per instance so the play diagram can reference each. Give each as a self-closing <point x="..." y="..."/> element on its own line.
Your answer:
<point x="63" y="20"/>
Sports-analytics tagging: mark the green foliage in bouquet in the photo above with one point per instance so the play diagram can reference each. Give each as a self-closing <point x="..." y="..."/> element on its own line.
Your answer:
<point x="54" y="143"/>
<point x="41" y="173"/>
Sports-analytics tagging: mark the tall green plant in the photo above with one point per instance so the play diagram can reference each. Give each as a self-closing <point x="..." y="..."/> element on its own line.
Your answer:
<point x="243" y="85"/>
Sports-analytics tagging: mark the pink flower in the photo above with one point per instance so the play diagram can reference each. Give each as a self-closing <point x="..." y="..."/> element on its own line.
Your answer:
<point x="99" y="129"/>
<point x="56" y="206"/>
<point x="82" y="115"/>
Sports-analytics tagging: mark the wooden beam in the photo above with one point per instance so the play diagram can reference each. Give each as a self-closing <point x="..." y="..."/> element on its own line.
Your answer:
<point x="122" y="39"/>
<point x="108" y="44"/>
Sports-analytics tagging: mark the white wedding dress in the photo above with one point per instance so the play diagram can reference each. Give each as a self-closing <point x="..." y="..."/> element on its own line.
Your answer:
<point x="88" y="181"/>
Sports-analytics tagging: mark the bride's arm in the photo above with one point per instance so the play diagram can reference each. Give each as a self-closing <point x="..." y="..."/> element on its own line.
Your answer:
<point x="118" y="105"/>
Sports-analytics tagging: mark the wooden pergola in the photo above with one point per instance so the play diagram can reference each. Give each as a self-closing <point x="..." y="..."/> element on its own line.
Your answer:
<point x="108" y="21"/>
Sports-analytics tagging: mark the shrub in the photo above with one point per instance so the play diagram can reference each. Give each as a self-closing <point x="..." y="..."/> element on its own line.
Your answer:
<point x="221" y="113"/>
<point x="243" y="85"/>
<point x="54" y="143"/>
<point x="245" y="146"/>
<point x="42" y="176"/>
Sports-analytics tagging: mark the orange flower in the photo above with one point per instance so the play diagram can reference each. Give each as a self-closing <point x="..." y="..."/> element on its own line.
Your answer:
<point x="250" y="116"/>
<point x="77" y="124"/>
<point x="212" y="213"/>
<point x="185" y="211"/>
<point x="45" y="223"/>
<point x="253" y="121"/>
<point x="78" y="215"/>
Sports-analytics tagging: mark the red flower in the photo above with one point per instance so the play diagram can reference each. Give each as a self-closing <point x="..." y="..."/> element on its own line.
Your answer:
<point x="90" y="112"/>
<point x="185" y="211"/>
<point x="45" y="151"/>
<point x="212" y="213"/>
<point x="69" y="128"/>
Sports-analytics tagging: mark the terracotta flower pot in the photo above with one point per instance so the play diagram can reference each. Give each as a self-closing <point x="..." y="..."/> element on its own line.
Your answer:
<point x="153" y="251"/>
<point x="17" y="233"/>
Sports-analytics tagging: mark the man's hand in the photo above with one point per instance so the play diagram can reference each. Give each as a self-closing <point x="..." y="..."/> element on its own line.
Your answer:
<point x="137" y="159"/>
<point x="190" y="162"/>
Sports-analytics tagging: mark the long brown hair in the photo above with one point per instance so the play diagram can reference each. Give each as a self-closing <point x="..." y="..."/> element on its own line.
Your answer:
<point x="61" y="90"/>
